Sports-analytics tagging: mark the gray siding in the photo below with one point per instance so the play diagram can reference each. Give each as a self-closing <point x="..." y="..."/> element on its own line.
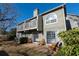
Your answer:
<point x="40" y="23"/>
<point x="74" y="20"/>
<point x="57" y="26"/>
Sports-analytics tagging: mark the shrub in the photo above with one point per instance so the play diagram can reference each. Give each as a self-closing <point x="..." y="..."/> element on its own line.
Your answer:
<point x="69" y="51"/>
<point x="23" y="40"/>
<point x="3" y="37"/>
<point x="71" y="42"/>
<point x="70" y="37"/>
<point x="11" y="37"/>
<point x="11" y="34"/>
<point x="42" y="41"/>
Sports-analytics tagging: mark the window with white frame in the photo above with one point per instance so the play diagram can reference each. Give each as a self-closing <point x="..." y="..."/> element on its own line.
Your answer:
<point x="51" y="18"/>
<point x="51" y="35"/>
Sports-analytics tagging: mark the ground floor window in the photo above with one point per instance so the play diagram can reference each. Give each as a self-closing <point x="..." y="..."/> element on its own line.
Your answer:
<point x="51" y="35"/>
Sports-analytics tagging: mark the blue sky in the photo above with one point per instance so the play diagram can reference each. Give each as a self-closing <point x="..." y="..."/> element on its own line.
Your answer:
<point x="25" y="10"/>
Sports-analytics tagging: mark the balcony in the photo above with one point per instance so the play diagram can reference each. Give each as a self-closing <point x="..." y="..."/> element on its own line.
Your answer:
<point x="20" y="27"/>
<point x="34" y="23"/>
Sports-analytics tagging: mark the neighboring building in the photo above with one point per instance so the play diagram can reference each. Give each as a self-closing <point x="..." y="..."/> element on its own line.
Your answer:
<point x="46" y="25"/>
<point x="72" y="21"/>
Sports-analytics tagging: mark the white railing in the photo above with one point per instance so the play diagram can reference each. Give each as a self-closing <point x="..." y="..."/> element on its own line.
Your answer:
<point x="20" y="27"/>
<point x="31" y="24"/>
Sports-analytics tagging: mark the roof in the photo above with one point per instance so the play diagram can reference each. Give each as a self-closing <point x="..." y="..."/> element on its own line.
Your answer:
<point x="53" y="9"/>
<point x="72" y="14"/>
<point x="27" y="20"/>
<point x="44" y="13"/>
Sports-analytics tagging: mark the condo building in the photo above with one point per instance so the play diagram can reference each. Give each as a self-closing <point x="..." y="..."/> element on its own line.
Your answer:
<point x="47" y="25"/>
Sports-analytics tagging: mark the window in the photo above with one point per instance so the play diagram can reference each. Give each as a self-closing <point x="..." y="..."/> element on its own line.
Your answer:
<point x="51" y="35"/>
<point x="51" y="18"/>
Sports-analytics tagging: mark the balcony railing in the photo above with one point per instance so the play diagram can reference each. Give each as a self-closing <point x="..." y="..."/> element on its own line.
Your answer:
<point x="20" y="27"/>
<point x="34" y="23"/>
<point x="31" y="24"/>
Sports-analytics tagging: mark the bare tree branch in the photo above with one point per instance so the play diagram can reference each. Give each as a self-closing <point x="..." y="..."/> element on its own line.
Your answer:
<point x="8" y="16"/>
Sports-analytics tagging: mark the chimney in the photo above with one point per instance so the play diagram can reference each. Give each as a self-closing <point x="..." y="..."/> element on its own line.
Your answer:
<point x="36" y="12"/>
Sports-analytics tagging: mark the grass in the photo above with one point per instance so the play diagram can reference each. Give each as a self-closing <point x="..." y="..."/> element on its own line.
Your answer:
<point x="24" y="49"/>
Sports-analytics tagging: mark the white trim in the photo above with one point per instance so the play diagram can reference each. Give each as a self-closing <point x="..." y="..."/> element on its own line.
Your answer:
<point x="52" y="39"/>
<point x="53" y="22"/>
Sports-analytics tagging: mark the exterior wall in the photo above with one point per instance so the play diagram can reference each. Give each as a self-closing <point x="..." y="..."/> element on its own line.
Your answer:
<point x="19" y="35"/>
<point x="74" y="21"/>
<point x="57" y="26"/>
<point x="35" y="23"/>
<point x="40" y="23"/>
<point x="42" y="28"/>
<point x="41" y="36"/>
<point x="34" y="36"/>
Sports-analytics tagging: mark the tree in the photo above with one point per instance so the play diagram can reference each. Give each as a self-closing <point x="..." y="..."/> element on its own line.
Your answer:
<point x="2" y="31"/>
<point x="8" y="16"/>
<point x="12" y="34"/>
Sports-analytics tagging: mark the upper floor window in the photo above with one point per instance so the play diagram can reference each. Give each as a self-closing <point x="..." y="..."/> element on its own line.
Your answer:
<point x="51" y="18"/>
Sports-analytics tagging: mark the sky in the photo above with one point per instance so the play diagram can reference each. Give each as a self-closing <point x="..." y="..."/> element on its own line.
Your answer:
<point x="25" y="10"/>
